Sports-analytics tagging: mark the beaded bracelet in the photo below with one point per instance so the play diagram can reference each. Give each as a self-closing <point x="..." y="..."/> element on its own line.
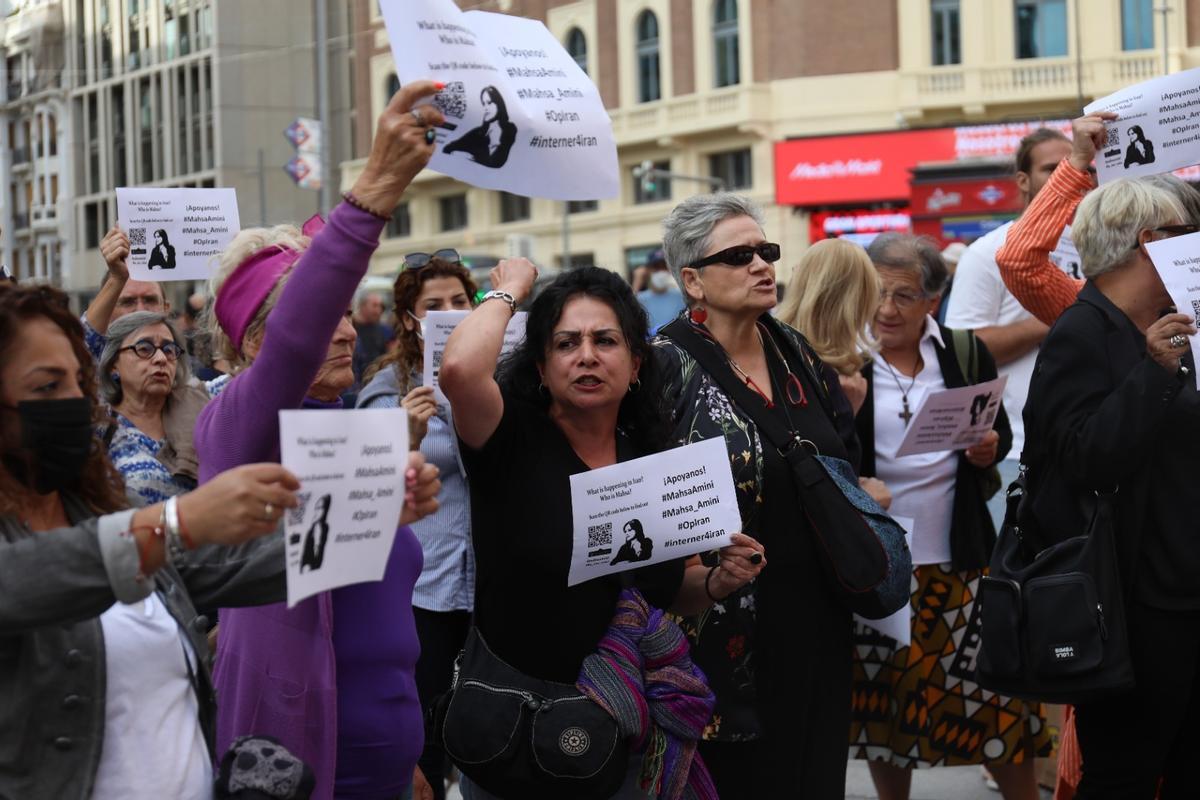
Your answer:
<point x="708" y="589"/>
<point x="361" y="206"/>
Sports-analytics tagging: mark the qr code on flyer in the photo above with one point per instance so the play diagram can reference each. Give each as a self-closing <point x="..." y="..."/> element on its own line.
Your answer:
<point x="1196" y="309"/>
<point x="295" y="516"/>
<point x="600" y="535"/>
<point x="1112" y="136"/>
<point x="137" y="237"/>
<point x="452" y="101"/>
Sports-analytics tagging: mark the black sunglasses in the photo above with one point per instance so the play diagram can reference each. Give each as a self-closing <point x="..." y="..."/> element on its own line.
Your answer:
<point x="741" y="255"/>
<point x="415" y="261"/>
<point x="1171" y="231"/>
<point x="145" y="349"/>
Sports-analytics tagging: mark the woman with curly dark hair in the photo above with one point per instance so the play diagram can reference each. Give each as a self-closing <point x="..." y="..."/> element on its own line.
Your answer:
<point x="581" y="392"/>
<point x="444" y="595"/>
<point x="103" y="657"/>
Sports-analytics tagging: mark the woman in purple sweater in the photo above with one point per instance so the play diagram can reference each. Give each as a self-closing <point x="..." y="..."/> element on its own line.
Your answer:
<point x="333" y="677"/>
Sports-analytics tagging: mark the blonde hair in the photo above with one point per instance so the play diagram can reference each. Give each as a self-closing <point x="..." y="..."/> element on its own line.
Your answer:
<point x="831" y="299"/>
<point x="246" y="244"/>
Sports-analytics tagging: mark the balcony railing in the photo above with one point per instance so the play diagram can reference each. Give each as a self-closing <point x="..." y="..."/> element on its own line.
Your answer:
<point x="20" y="155"/>
<point x="694" y="113"/>
<point x="20" y="220"/>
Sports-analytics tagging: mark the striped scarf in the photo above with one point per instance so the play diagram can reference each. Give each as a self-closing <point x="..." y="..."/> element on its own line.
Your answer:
<point x="644" y="677"/>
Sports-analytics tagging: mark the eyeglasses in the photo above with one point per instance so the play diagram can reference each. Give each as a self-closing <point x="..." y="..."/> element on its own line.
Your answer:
<point x="415" y="261"/>
<point x="145" y="349"/>
<point x="903" y="298"/>
<point x="741" y="255"/>
<point x="1171" y="231"/>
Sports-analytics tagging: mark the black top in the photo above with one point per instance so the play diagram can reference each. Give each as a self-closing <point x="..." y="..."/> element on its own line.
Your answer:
<point x="521" y="532"/>
<point x="972" y="533"/>
<point x="1101" y="414"/>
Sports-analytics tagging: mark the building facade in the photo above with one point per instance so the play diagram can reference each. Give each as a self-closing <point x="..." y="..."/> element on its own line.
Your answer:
<point x="707" y="87"/>
<point x="155" y="93"/>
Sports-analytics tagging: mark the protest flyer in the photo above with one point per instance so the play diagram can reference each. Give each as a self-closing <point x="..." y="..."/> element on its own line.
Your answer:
<point x="1177" y="261"/>
<point x="1157" y="130"/>
<point x="176" y="234"/>
<point x="438" y="327"/>
<point x="350" y="465"/>
<point x="953" y="419"/>
<point x="521" y="115"/>
<point x="898" y="625"/>
<point x="656" y="508"/>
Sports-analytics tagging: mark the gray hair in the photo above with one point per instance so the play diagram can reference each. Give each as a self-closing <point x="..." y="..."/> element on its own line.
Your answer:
<point x="686" y="230"/>
<point x="1184" y="192"/>
<point x="1109" y="220"/>
<point x="912" y="253"/>
<point x="118" y="331"/>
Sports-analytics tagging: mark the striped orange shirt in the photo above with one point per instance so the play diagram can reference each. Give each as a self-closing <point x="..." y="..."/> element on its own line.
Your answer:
<point x="1024" y="258"/>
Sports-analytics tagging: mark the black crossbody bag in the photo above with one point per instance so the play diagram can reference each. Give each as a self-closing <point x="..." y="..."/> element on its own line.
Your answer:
<point x="1053" y="617"/>
<point x="863" y="550"/>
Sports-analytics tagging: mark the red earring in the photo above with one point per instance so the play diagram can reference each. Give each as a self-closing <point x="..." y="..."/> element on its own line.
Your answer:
<point x="699" y="315"/>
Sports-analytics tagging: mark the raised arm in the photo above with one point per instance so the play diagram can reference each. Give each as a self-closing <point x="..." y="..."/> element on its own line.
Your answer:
<point x="1024" y="259"/>
<point x="467" y="376"/>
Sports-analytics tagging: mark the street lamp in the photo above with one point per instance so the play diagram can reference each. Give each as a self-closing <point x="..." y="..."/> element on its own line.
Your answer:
<point x="1164" y="9"/>
<point x="649" y="175"/>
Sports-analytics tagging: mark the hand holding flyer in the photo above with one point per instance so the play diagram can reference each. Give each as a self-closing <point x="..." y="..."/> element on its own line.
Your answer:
<point x="176" y="234"/>
<point x="1177" y="261"/>
<point x="657" y="508"/>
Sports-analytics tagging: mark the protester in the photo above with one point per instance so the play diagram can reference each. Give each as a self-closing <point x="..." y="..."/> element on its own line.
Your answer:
<point x="777" y="651"/>
<point x="144" y="379"/>
<point x="340" y="696"/>
<point x="373" y="336"/>
<point x="662" y="299"/>
<point x="985" y="306"/>
<point x="952" y="539"/>
<point x="104" y="687"/>
<point x="445" y="592"/>
<point x="582" y="391"/>
<point x="1112" y="407"/>
<point x="119" y="294"/>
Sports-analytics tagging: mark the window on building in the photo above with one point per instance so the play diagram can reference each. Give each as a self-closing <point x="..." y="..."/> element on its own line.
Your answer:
<point x="93" y="139"/>
<point x="513" y="207"/>
<point x="145" y="132"/>
<point x="581" y="206"/>
<point x="576" y="260"/>
<point x="91" y="225"/>
<point x="1041" y="28"/>
<point x="1137" y="24"/>
<point x="649" y="83"/>
<point x="577" y="48"/>
<point x="401" y="223"/>
<point x="734" y="167"/>
<point x="654" y="189"/>
<point x="453" y="212"/>
<point x="117" y="115"/>
<point x="946" y="47"/>
<point x="727" y="71"/>
<point x="636" y="256"/>
<point x="393" y="85"/>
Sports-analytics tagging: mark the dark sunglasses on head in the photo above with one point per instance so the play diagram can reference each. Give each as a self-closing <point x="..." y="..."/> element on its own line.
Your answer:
<point x="416" y="261"/>
<point x="1171" y="231"/>
<point x="144" y="348"/>
<point x="741" y="255"/>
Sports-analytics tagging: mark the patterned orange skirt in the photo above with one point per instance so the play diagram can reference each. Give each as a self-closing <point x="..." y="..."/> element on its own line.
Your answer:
<point x="919" y="706"/>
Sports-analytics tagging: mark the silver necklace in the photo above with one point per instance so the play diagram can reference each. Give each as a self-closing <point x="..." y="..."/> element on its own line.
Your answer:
<point x="906" y="414"/>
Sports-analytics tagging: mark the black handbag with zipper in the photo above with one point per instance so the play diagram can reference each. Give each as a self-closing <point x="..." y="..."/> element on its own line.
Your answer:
<point x="1052" y="615"/>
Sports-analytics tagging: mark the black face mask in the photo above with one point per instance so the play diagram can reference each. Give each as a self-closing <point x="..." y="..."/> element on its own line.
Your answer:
<point x="56" y="439"/>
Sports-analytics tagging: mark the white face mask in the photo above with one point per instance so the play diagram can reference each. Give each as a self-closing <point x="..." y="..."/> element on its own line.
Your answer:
<point x="420" y="325"/>
<point x="661" y="281"/>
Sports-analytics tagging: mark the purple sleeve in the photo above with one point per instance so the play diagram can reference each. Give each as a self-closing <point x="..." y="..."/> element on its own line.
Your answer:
<point x="241" y="425"/>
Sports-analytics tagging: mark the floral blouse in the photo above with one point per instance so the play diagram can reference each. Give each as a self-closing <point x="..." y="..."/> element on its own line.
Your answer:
<point x="722" y="636"/>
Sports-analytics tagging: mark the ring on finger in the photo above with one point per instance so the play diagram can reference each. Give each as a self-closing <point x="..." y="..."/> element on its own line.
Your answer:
<point x="416" y="112"/>
<point x="430" y="136"/>
<point x="269" y="511"/>
<point x="1178" y="340"/>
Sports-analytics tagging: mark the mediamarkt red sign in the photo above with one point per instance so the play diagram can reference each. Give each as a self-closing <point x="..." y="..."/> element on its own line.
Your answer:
<point x="870" y="167"/>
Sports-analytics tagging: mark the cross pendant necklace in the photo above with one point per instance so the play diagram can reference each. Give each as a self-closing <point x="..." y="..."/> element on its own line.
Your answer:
<point x="906" y="414"/>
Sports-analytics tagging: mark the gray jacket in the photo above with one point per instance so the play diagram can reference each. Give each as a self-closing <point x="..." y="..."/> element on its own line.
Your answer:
<point x="55" y="585"/>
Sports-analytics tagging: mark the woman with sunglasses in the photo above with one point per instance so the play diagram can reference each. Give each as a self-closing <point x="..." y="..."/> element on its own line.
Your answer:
<point x="445" y="592"/>
<point x="909" y="699"/>
<point x="776" y="651"/>
<point x="144" y="380"/>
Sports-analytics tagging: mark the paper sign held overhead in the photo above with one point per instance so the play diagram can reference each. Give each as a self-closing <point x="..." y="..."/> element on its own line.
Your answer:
<point x="351" y="469"/>
<point x="176" y="234"/>
<point x="1158" y="128"/>
<point x="521" y="116"/>
<point x="438" y="327"/>
<point x="652" y="509"/>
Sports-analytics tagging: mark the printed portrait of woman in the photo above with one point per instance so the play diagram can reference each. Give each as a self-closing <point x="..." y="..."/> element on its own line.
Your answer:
<point x="488" y="145"/>
<point x="1140" y="150"/>
<point x="162" y="255"/>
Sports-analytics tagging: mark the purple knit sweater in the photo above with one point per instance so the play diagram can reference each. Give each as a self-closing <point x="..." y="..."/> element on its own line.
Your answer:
<point x="277" y="671"/>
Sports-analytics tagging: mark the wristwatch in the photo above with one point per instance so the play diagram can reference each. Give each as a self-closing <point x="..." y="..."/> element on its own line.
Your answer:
<point x="496" y="294"/>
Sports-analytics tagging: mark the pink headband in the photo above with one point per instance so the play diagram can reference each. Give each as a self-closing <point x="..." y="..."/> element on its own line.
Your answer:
<point x="247" y="288"/>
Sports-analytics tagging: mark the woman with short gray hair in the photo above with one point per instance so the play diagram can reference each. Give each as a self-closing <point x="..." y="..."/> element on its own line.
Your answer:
<point x="144" y="379"/>
<point x="776" y="651"/>
<point x="1112" y="408"/>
